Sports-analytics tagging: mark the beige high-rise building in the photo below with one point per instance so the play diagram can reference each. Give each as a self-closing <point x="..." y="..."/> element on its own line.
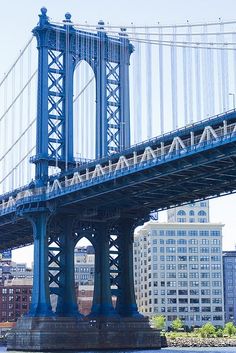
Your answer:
<point x="178" y="267"/>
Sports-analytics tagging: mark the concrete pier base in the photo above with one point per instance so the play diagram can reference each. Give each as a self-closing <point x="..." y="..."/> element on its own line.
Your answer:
<point x="58" y="333"/>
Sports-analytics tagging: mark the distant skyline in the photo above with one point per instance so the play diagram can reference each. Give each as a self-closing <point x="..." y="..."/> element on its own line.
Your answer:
<point x="18" y="19"/>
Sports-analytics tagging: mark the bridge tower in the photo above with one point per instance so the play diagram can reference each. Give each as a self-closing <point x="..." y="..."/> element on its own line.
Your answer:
<point x="60" y="49"/>
<point x="56" y="229"/>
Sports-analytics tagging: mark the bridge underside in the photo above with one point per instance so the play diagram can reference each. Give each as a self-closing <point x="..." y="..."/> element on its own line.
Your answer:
<point x="205" y="174"/>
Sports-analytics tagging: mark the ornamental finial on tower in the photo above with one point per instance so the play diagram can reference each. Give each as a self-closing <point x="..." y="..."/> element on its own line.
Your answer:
<point x="101" y="24"/>
<point x="123" y="31"/>
<point x="43" y="18"/>
<point x="67" y="17"/>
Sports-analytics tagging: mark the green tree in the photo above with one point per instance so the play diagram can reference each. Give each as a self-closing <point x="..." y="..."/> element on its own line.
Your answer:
<point x="229" y="329"/>
<point x="208" y="330"/>
<point x="177" y="324"/>
<point x="158" y="321"/>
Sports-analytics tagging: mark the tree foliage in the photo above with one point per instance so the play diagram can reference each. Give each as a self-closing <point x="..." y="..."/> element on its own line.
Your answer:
<point x="158" y="321"/>
<point x="229" y="329"/>
<point x="177" y="324"/>
<point x="208" y="330"/>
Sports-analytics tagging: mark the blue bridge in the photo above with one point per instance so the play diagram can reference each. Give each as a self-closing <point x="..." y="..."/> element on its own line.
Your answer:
<point x="105" y="195"/>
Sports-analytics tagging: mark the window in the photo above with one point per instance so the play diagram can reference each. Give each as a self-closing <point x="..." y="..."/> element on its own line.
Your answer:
<point x="193" y="233"/>
<point x="193" y="241"/>
<point x="181" y="213"/>
<point x="193" y="258"/>
<point x="205" y="275"/>
<point x="193" y="249"/>
<point x="194" y="300"/>
<point x="182" y="241"/>
<point x="193" y="266"/>
<point x="216" y="292"/>
<point x="182" y="258"/>
<point x="193" y="275"/>
<point x="182" y="275"/>
<point x="194" y="291"/>
<point x="183" y="300"/>
<point x="191" y="213"/>
<point x="181" y="233"/>
<point x="204" y="233"/>
<point x="183" y="292"/>
<point x="194" y="283"/>
<point x="204" y="250"/>
<point x="206" y="300"/>
<point x="170" y="241"/>
<point x="171" y="292"/>
<point x="215" y="233"/>
<point x="181" y="220"/>
<point x="170" y="249"/>
<point x="201" y="213"/>
<point x="183" y="283"/>
<point x="181" y="249"/>
<point x="182" y="267"/>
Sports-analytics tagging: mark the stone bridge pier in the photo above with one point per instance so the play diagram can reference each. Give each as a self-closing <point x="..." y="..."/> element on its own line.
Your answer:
<point x="108" y="326"/>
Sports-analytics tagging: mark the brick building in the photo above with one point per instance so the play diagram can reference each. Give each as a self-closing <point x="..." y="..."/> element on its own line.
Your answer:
<point x="15" y="298"/>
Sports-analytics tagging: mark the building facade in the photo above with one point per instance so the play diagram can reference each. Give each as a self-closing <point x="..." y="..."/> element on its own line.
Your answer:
<point x="178" y="267"/>
<point x="15" y="299"/>
<point x="229" y="271"/>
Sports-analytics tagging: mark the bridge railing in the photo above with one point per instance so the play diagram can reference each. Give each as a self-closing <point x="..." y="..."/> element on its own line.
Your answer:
<point x="113" y="168"/>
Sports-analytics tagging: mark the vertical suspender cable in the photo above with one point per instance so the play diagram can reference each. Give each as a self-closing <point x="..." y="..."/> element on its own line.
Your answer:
<point x="185" y="85"/>
<point x="224" y="72"/>
<point x="29" y="90"/>
<point x="76" y="115"/>
<point x="205" y="75"/>
<point x="5" y="127"/>
<point x="149" y="79"/>
<point x="190" y="76"/>
<point x="137" y="91"/>
<point x="211" y="81"/>
<point x="81" y="85"/>
<point x="21" y="169"/>
<point x="220" y="76"/>
<point x="161" y="83"/>
<point x="234" y="64"/>
<point x="173" y="81"/>
<point x="92" y="102"/>
<point x="198" y="84"/>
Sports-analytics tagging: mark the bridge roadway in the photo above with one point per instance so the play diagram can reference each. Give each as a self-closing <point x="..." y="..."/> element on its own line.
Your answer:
<point x="188" y="164"/>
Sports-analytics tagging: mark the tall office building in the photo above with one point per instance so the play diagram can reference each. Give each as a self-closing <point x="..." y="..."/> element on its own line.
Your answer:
<point x="229" y="271"/>
<point x="178" y="267"/>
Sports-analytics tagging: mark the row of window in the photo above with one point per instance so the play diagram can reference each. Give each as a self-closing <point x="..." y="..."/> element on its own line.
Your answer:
<point x="191" y="283"/>
<point x="187" y="300"/>
<point x="185" y="249"/>
<point x="184" y="242"/>
<point x="201" y="233"/>
<point x="186" y="292"/>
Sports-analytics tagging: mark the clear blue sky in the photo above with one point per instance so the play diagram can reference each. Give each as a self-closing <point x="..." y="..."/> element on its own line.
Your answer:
<point x="19" y="17"/>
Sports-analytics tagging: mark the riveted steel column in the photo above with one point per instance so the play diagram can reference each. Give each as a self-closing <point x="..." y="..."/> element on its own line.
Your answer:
<point x="67" y="303"/>
<point x="126" y="302"/>
<point x="102" y="303"/>
<point x="125" y="51"/>
<point x="41" y="32"/>
<point x="101" y="94"/>
<point x="40" y="305"/>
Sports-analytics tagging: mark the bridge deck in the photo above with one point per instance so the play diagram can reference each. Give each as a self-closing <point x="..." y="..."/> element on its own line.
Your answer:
<point x="189" y="164"/>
